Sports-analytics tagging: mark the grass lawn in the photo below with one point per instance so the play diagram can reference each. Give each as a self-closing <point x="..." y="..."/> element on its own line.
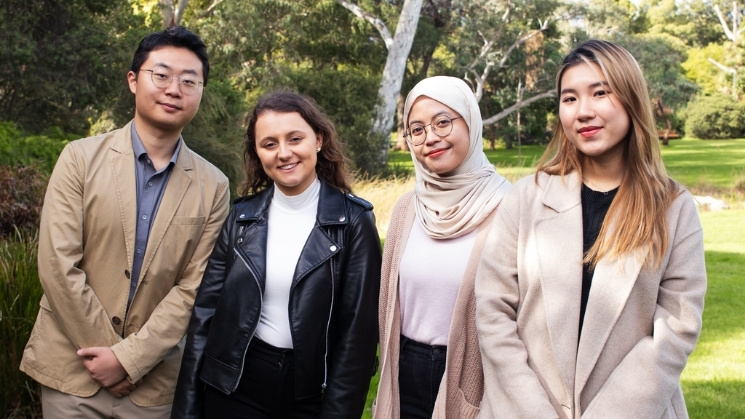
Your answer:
<point x="706" y="166"/>
<point x="714" y="380"/>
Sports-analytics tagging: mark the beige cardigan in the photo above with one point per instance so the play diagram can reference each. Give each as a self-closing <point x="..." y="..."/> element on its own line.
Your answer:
<point x="641" y="323"/>
<point x="462" y="385"/>
<point x="86" y="243"/>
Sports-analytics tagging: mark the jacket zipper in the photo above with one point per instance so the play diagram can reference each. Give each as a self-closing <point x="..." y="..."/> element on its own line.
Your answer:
<point x="328" y="323"/>
<point x="261" y="307"/>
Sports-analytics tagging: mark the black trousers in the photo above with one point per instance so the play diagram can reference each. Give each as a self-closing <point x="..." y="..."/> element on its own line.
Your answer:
<point x="420" y="371"/>
<point x="266" y="389"/>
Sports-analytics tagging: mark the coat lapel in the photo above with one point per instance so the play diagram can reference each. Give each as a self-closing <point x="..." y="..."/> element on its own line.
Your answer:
<point x="123" y="171"/>
<point x="558" y="242"/>
<point x="178" y="183"/>
<point x="612" y="283"/>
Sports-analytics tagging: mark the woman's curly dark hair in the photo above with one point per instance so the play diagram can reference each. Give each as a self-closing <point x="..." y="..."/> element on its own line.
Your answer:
<point x="332" y="164"/>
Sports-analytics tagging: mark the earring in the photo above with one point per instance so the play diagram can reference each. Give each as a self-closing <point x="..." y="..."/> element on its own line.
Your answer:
<point x="318" y="150"/>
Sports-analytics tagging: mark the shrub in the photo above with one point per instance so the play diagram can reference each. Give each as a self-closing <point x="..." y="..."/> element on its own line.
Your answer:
<point x="20" y="292"/>
<point x="715" y="117"/>
<point x="17" y="149"/>
<point x="21" y="196"/>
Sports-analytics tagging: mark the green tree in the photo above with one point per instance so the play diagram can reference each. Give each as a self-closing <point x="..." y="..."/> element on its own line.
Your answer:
<point x="63" y="62"/>
<point x="661" y="56"/>
<point x="315" y="47"/>
<point x="701" y="72"/>
<point x="509" y="52"/>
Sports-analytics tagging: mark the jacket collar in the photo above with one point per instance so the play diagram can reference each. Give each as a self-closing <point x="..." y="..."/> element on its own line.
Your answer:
<point x="560" y="192"/>
<point x="123" y="144"/>
<point x="332" y="212"/>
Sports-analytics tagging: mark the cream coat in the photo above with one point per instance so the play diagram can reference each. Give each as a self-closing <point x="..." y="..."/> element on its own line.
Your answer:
<point x="86" y="243"/>
<point x="640" y="326"/>
<point x="462" y="385"/>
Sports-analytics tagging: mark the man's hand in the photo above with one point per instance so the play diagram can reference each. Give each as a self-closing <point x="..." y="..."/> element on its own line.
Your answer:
<point x="121" y="389"/>
<point x="102" y="365"/>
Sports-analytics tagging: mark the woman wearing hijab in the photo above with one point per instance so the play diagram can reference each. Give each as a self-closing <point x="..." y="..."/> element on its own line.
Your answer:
<point x="591" y="293"/>
<point x="430" y="360"/>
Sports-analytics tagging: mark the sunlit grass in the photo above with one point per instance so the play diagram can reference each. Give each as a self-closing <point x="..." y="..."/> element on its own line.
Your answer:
<point x="708" y="167"/>
<point x="383" y="194"/>
<point x="714" y="380"/>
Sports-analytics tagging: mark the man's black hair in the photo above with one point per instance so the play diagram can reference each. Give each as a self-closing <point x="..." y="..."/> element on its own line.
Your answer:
<point x="176" y="36"/>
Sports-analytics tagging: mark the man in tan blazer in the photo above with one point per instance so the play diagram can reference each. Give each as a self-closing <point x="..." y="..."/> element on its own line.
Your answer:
<point x="129" y="221"/>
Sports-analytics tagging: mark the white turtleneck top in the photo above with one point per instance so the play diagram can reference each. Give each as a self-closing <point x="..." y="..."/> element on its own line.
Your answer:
<point x="291" y="218"/>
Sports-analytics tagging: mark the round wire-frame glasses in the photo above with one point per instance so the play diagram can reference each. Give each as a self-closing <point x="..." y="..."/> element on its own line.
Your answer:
<point x="441" y="125"/>
<point x="187" y="83"/>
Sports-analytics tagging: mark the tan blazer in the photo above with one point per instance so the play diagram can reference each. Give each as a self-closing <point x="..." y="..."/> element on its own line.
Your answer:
<point x="641" y="324"/>
<point x="462" y="385"/>
<point x="86" y="242"/>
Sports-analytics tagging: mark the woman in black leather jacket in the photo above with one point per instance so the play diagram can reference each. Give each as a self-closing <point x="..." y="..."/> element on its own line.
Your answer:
<point x="285" y="322"/>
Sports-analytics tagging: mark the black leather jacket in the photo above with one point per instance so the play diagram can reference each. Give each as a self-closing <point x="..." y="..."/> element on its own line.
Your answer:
<point x="333" y="306"/>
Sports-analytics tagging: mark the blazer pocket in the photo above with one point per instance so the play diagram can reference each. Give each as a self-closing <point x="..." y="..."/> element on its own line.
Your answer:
<point x="192" y="221"/>
<point x="466" y="409"/>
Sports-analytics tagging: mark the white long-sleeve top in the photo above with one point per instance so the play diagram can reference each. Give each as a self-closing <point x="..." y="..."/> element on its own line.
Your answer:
<point x="291" y="218"/>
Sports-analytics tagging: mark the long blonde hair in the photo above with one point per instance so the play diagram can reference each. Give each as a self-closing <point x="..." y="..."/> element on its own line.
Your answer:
<point x="636" y="218"/>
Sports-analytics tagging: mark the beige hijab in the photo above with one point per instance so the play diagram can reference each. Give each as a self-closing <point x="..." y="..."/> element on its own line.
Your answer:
<point x="454" y="205"/>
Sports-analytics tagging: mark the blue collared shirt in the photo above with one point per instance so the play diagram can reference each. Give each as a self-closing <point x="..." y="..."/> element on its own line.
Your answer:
<point x="150" y="185"/>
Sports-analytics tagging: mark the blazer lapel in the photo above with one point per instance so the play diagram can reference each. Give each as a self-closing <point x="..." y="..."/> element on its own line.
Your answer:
<point x="123" y="172"/>
<point x="612" y="283"/>
<point x="558" y="240"/>
<point x="178" y="183"/>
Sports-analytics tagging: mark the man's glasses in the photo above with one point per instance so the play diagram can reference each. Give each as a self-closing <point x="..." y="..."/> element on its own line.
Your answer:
<point x="188" y="83"/>
<point x="441" y="126"/>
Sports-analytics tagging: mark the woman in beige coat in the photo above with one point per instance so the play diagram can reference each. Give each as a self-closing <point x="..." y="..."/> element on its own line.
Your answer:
<point x="591" y="291"/>
<point x="437" y="232"/>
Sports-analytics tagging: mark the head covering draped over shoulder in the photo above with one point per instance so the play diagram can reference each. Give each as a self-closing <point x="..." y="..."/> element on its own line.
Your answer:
<point x="453" y="205"/>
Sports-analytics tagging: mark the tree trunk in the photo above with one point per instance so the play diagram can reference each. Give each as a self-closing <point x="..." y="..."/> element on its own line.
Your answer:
<point x="401" y="143"/>
<point x="662" y="113"/>
<point x="393" y="74"/>
<point x="666" y="136"/>
<point x="172" y="13"/>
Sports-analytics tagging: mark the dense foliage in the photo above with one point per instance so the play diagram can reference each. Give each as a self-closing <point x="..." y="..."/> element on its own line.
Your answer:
<point x="715" y="117"/>
<point x="67" y="64"/>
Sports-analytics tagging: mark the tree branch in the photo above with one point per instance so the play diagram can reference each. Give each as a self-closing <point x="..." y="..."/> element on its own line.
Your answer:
<point x="518" y="105"/>
<point x="723" y="67"/>
<point x="521" y="41"/>
<point x="481" y="79"/>
<point x="370" y="18"/>
<point x="210" y="9"/>
<point x="727" y="31"/>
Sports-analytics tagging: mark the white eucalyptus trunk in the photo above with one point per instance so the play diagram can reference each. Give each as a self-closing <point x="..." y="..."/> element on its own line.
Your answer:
<point x="393" y="75"/>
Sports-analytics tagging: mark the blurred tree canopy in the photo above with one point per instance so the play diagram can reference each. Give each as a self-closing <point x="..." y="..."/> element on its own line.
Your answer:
<point x="63" y="63"/>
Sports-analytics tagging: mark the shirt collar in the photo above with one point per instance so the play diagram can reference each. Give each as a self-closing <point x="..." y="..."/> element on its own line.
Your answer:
<point x="139" y="149"/>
